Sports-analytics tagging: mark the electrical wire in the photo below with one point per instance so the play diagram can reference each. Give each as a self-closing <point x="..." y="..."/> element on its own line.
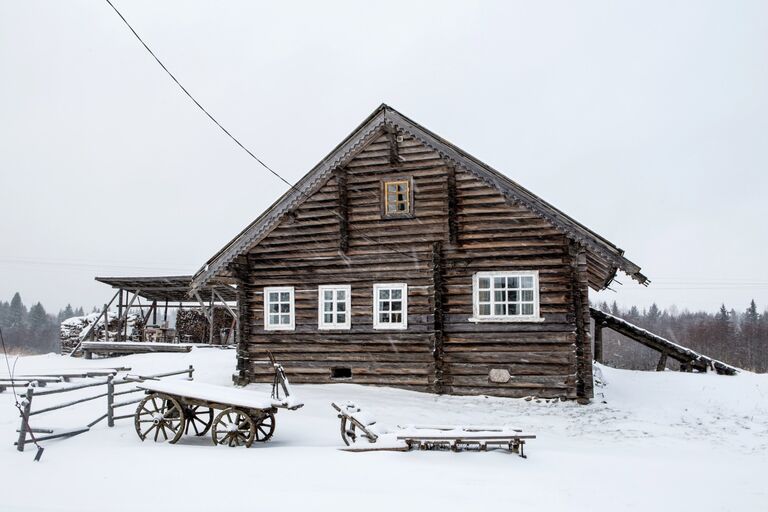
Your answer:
<point x="228" y="133"/>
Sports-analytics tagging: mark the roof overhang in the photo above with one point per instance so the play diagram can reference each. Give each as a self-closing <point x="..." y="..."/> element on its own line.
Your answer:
<point x="606" y="256"/>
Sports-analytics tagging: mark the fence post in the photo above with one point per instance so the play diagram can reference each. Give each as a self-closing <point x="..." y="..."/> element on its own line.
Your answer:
<point x="110" y="401"/>
<point x="25" y="418"/>
<point x="191" y="369"/>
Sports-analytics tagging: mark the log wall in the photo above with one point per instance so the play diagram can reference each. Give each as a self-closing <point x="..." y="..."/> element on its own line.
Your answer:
<point x="459" y="226"/>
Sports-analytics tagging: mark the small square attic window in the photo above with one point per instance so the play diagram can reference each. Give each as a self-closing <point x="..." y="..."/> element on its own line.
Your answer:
<point x="396" y="196"/>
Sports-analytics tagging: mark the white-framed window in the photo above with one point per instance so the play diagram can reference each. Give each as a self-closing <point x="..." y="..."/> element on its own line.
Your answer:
<point x="390" y="306"/>
<point x="279" y="309"/>
<point x="506" y="296"/>
<point x="333" y="307"/>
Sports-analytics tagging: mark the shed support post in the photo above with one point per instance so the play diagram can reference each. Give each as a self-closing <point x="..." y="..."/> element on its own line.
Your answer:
<point x="119" y="315"/>
<point x="106" y="322"/>
<point x="662" y="362"/>
<point x="598" y="342"/>
<point x="210" y="316"/>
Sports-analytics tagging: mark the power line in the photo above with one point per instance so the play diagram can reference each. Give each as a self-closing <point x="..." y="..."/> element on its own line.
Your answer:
<point x="194" y="100"/>
<point x="227" y="132"/>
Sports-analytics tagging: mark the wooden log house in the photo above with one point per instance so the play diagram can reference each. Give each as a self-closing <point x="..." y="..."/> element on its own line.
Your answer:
<point x="401" y="260"/>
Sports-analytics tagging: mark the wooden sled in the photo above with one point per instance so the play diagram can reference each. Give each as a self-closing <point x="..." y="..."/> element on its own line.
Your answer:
<point x="355" y="424"/>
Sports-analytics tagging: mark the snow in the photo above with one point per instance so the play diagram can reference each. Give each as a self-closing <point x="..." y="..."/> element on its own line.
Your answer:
<point x="650" y="441"/>
<point x="235" y="397"/>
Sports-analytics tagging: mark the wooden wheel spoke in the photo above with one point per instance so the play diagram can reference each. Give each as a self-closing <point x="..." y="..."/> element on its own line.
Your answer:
<point x="165" y="415"/>
<point x="231" y="427"/>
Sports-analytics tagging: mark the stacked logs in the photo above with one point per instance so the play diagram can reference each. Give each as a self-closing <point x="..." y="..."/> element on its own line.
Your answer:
<point x="192" y="326"/>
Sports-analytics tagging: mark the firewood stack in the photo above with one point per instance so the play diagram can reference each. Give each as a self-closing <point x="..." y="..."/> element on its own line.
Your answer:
<point x="192" y="326"/>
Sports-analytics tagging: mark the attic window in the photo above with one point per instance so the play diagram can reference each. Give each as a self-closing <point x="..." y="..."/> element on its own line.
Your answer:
<point x="396" y="195"/>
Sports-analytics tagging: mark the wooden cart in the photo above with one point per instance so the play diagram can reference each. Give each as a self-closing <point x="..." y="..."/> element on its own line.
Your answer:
<point x="174" y="408"/>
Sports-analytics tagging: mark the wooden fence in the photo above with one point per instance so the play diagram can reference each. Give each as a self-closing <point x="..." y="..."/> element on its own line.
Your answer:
<point x="26" y="432"/>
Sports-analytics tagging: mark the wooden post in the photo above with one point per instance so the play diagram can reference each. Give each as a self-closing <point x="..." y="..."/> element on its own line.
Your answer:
<point x="110" y="401"/>
<point x="453" y="223"/>
<point x="119" y="315"/>
<point x="191" y="370"/>
<point x="598" y="342"/>
<point x="106" y="322"/>
<point x="343" y="197"/>
<point x="662" y="362"/>
<point x="438" y="326"/>
<point x="154" y="313"/>
<point x="25" y="418"/>
<point x="210" y="316"/>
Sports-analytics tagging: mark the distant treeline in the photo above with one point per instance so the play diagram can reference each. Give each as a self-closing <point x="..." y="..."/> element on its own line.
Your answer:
<point x="739" y="338"/>
<point x="32" y="330"/>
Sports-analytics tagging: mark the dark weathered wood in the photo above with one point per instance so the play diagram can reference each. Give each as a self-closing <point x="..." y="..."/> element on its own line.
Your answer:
<point x="341" y="180"/>
<point x="453" y="223"/>
<point x="688" y="359"/>
<point x="662" y="364"/>
<point x="460" y="225"/>
<point x="598" y="342"/>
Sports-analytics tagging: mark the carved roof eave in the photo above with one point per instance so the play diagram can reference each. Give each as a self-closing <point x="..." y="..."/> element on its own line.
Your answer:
<point x="386" y="117"/>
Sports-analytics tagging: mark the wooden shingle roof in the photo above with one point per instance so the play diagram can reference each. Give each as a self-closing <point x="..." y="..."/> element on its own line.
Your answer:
<point x="600" y="251"/>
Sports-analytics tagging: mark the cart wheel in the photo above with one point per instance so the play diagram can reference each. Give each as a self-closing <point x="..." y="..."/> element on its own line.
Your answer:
<point x="265" y="427"/>
<point x="199" y="418"/>
<point x="232" y="427"/>
<point x="348" y="435"/>
<point x="159" y="417"/>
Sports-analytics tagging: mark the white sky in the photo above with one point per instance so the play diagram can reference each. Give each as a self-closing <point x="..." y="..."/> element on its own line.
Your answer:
<point x="646" y="121"/>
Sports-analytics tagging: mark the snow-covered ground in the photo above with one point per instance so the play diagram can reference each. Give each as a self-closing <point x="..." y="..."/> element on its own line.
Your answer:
<point x="650" y="441"/>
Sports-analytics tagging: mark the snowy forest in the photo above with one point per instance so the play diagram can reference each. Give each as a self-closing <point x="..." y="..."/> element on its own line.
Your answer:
<point x="32" y="330"/>
<point x="739" y="338"/>
<point x="736" y="337"/>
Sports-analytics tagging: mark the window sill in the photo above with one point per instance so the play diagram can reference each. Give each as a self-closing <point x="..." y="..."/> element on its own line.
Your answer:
<point x="286" y="328"/>
<point x="506" y="319"/>
<point x="390" y="327"/>
<point x="333" y="327"/>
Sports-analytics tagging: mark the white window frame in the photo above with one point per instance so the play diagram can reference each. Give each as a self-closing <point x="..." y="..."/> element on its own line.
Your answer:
<point x="321" y="323"/>
<point x="291" y="300"/>
<point x="403" y="287"/>
<point x="476" y="317"/>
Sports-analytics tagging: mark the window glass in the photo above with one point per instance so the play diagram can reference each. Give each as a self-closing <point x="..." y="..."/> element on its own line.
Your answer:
<point x="506" y="295"/>
<point x="333" y="306"/>
<point x="390" y="306"/>
<point x="397" y="197"/>
<point x="279" y="309"/>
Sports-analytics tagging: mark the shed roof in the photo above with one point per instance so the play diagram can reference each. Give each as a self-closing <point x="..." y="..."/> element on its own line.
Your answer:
<point x="168" y="288"/>
<point x="601" y="253"/>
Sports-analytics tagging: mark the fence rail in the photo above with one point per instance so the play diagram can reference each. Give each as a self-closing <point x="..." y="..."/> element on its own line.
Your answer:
<point x="25" y="430"/>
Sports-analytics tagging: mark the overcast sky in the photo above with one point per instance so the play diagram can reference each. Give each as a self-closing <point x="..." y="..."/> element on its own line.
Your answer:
<point x="646" y="121"/>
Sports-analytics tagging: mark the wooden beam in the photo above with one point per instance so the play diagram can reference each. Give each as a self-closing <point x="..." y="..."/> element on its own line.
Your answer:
<point x="438" y="305"/>
<point x="662" y="364"/>
<point x="341" y="180"/>
<point x="598" y="342"/>
<point x="119" y="315"/>
<point x="453" y="223"/>
<point x="394" y="150"/>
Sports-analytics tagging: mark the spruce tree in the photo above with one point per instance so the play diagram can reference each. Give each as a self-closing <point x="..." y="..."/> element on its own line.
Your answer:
<point x="17" y="313"/>
<point x="37" y="319"/>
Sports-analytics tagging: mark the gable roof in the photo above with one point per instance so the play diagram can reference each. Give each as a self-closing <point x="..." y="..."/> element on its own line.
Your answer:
<point x="385" y="117"/>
